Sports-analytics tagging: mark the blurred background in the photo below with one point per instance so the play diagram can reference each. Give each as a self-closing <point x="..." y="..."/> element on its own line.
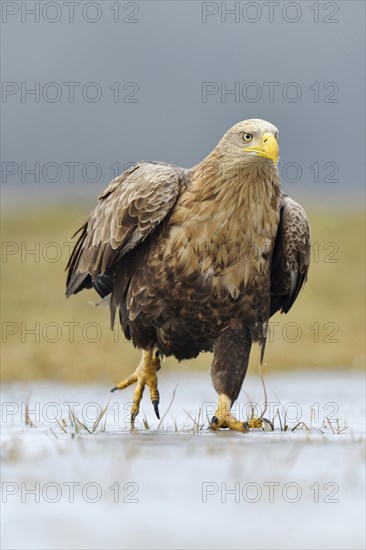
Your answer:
<point x="90" y="87"/>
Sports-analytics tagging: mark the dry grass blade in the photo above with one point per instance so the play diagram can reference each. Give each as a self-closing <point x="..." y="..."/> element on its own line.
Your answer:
<point x="302" y="424"/>
<point x="62" y="426"/>
<point x="279" y="419"/>
<point x="73" y="420"/>
<point x="27" y="419"/>
<point x="264" y="390"/>
<point x="168" y="409"/>
<point x="311" y="417"/>
<point x="50" y="431"/>
<point x="198" y="427"/>
<point x="198" y="419"/>
<point x="285" y="426"/>
<point x="330" y="424"/>
<point x="250" y="403"/>
<point x="338" y="429"/>
<point x="175" y="424"/>
<point x="99" y="418"/>
<point x="145" y="422"/>
<point x="184" y="424"/>
<point x="342" y="429"/>
<point x="77" y="423"/>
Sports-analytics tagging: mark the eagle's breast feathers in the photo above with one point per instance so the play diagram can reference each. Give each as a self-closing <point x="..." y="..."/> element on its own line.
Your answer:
<point x="228" y="238"/>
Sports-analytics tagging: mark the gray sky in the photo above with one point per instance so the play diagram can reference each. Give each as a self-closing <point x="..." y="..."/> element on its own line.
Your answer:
<point x="173" y="65"/>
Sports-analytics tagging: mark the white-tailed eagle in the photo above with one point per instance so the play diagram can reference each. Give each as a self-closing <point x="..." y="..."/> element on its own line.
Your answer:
<point x="197" y="259"/>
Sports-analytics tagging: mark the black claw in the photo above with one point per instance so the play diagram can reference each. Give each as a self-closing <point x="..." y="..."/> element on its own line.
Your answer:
<point x="269" y="423"/>
<point x="114" y="389"/>
<point x="214" y="420"/>
<point x="246" y="426"/>
<point x="155" y="403"/>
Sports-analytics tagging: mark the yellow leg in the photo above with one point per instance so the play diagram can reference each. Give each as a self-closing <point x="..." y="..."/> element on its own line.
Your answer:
<point x="144" y="375"/>
<point x="224" y="418"/>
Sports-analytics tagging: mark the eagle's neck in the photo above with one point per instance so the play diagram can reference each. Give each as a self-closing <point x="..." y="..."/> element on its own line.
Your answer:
<point x="244" y="193"/>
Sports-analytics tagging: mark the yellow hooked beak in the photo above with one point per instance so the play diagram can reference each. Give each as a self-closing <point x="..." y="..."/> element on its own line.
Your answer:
<point x="268" y="147"/>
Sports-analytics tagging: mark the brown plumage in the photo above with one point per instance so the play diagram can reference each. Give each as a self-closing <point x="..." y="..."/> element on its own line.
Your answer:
<point x="199" y="259"/>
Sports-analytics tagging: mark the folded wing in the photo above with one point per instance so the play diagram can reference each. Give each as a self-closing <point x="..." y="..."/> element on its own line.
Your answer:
<point x="291" y="256"/>
<point x="129" y="210"/>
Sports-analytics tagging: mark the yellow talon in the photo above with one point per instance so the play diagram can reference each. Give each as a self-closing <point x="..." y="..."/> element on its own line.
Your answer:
<point x="255" y="423"/>
<point x="224" y="418"/>
<point x="261" y="422"/>
<point x="144" y="375"/>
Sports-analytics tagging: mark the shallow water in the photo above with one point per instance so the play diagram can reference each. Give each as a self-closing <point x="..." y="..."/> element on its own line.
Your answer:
<point x="177" y="485"/>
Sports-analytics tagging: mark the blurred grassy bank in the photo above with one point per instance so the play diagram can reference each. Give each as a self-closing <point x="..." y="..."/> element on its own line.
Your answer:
<point x="45" y="336"/>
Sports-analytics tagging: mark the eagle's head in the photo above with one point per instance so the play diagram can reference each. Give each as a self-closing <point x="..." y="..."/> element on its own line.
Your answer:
<point x="249" y="140"/>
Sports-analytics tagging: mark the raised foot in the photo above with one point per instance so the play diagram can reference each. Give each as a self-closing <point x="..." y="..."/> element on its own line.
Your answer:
<point x="144" y="375"/>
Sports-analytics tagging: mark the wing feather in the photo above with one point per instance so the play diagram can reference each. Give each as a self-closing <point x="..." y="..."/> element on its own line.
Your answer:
<point x="291" y="256"/>
<point x="129" y="210"/>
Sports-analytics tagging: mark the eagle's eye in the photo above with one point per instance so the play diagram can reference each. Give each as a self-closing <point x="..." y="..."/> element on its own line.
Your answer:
<point x="246" y="137"/>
